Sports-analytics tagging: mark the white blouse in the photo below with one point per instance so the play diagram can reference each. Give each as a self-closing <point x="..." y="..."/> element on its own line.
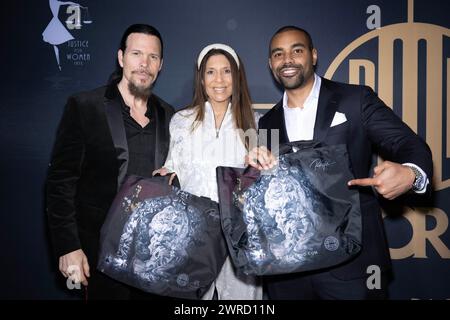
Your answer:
<point x="194" y="156"/>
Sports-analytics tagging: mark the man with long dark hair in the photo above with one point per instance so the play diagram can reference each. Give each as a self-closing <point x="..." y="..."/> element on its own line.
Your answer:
<point x="104" y="135"/>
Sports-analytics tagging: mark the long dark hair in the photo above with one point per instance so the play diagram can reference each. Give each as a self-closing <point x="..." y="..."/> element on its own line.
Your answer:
<point x="241" y="104"/>
<point x="134" y="28"/>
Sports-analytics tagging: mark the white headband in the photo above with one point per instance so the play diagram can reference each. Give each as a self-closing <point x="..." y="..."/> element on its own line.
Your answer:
<point x="220" y="46"/>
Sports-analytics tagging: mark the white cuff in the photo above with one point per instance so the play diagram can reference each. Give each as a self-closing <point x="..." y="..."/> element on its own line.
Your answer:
<point x="425" y="182"/>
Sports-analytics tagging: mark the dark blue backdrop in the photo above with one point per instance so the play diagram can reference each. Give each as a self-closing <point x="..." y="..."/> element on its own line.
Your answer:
<point x="34" y="91"/>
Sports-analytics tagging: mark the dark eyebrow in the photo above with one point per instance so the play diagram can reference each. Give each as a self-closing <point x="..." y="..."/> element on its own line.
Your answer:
<point x="298" y="45"/>
<point x="275" y="50"/>
<point x="295" y="45"/>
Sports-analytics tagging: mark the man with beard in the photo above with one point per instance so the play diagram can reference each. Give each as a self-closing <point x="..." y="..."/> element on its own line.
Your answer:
<point x="314" y="108"/>
<point x="104" y="135"/>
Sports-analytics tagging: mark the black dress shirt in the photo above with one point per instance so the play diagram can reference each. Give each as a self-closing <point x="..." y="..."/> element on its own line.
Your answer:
<point x="141" y="142"/>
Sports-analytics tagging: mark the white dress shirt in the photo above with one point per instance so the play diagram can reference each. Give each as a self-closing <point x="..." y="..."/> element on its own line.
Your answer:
<point x="194" y="156"/>
<point x="300" y="121"/>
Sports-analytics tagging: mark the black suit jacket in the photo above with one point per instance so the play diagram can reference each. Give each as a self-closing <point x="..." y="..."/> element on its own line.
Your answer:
<point x="88" y="165"/>
<point x="370" y="126"/>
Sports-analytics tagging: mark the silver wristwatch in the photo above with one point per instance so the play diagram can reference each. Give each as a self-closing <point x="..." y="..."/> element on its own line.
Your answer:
<point x="418" y="180"/>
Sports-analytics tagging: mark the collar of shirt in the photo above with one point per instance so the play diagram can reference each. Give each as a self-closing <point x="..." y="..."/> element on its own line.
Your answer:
<point x="210" y="119"/>
<point x="148" y="112"/>
<point x="127" y="109"/>
<point x="300" y="121"/>
<point x="312" y="99"/>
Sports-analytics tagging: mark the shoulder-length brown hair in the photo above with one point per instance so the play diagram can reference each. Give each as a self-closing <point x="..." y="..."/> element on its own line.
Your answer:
<point x="241" y="104"/>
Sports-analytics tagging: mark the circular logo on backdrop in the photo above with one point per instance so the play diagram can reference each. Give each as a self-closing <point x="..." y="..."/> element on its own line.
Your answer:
<point x="379" y="74"/>
<point x="183" y="280"/>
<point x="331" y="243"/>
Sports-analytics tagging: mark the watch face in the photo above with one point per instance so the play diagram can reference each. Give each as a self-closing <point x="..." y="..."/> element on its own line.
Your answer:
<point x="419" y="181"/>
<point x="417" y="185"/>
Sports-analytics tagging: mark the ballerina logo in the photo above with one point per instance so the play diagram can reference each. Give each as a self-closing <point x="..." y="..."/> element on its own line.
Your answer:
<point x="57" y="34"/>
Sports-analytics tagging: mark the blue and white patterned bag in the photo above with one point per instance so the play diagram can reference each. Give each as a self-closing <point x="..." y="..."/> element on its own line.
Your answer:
<point x="299" y="217"/>
<point x="162" y="240"/>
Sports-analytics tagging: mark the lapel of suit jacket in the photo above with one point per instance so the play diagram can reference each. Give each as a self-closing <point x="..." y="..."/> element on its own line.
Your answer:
<point x="277" y="121"/>
<point x="326" y="108"/>
<point x="161" y="139"/>
<point x="113" y="110"/>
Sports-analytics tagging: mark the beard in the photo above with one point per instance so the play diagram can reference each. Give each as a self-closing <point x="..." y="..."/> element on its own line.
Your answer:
<point x="140" y="91"/>
<point x="294" y="82"/>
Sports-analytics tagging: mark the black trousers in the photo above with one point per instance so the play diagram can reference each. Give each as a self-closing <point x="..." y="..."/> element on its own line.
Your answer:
<point x="322" y="286"/>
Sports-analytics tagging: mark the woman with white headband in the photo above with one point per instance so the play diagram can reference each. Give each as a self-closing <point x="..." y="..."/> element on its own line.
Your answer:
<point x="210" y="133"/>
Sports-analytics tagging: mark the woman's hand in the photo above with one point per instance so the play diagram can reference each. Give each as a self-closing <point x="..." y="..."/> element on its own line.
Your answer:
<point x="163" y="172"/>
<point x="261" y="158"/>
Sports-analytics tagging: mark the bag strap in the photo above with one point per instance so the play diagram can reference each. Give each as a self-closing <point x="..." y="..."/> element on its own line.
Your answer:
<point x="296" y="146"/>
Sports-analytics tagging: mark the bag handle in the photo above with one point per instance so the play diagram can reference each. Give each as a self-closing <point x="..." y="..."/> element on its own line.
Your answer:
<point x="295" y="146"/>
